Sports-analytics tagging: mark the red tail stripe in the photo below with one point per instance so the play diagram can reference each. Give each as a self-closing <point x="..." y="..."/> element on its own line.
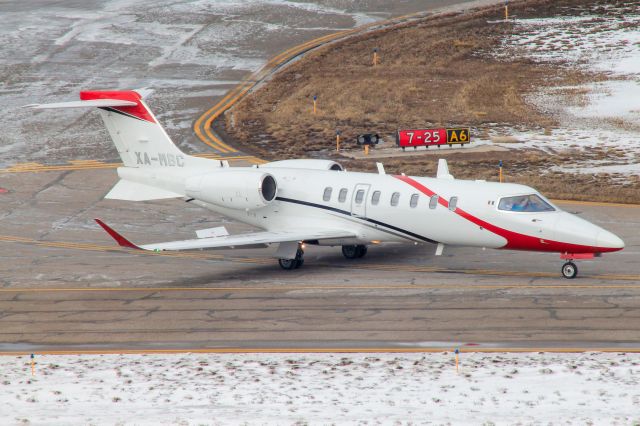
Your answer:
<point x="515" y="240"/>
<point x="138" y="110"/>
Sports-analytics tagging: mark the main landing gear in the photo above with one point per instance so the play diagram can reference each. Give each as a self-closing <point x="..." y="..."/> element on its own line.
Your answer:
<point x="350" y="252"/>
<point x="290" y="264"/>
<point x="354" y="252"/>
<point x="569" y="270"/>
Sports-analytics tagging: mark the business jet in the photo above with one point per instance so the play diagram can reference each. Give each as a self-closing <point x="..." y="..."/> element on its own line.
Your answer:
<point x="305" y="202"/>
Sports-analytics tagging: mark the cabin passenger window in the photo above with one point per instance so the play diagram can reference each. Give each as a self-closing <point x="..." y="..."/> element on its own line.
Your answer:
<point x="327" y="193"/>
<point x="342" y="195"/>
<point x="359" y="196"/>
<point x="375" y="198"/>
<point x="433" y="202"/>
<point x="395" y="198"/>
<point x="414" y="200"/>
<point x="453" y="202"/>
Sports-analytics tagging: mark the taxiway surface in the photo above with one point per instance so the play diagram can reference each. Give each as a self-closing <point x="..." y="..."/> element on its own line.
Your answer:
<point x="65" y="284"/>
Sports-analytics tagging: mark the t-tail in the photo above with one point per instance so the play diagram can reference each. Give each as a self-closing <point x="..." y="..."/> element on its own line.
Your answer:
<point x="140" y="139"/>
<point x="154" y="167"/>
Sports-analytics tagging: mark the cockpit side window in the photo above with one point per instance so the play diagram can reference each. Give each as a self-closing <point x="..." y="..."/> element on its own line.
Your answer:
<point x="525" y="203"/>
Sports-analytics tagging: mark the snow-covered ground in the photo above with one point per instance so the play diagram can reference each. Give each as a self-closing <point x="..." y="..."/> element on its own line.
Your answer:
<point x="188" y="52"/>
<point x="537" y="388"/>
<point x="604" y="114"/>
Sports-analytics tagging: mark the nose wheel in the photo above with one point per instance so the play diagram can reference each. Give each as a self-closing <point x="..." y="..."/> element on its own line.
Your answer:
<point x="569" y="270"/>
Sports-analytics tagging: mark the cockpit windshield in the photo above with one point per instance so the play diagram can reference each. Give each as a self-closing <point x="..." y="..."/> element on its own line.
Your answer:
<point x="525" y="203"/>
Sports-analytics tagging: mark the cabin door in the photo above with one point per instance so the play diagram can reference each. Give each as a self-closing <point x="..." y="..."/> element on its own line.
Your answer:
<point x="359" y="200"/>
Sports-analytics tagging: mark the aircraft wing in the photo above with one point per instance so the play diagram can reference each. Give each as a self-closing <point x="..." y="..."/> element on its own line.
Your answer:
<point x="231" y="241"/>
<point x="98" y="103"/>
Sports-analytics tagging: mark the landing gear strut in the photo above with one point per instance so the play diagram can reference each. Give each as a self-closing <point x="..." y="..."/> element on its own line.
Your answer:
<point x="354" y="252"/>
<point x="569" y="270"/>
<point x="290" y="264"/>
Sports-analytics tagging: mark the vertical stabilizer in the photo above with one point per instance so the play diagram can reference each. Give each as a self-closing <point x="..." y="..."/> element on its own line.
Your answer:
<point x="139" y="138"/>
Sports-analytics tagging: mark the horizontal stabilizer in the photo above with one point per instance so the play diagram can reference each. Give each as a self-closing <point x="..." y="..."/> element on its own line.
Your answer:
<point x="94" y="103"/>
<point x="134" y="191"/>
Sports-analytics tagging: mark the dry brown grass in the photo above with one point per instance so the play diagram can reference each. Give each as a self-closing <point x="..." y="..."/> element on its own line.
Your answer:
<point x="433" y="73"/>
<point x="429" y="73"/>
<point x="531" y="168"/>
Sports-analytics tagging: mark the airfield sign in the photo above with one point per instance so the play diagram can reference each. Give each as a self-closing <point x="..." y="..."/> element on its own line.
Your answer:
<point x="429" y="137"/>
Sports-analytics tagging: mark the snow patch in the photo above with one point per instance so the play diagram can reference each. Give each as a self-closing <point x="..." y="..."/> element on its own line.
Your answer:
<point x="500" y="388"/>
<point x="611" y="99"/>
<point x="601" y="116"/>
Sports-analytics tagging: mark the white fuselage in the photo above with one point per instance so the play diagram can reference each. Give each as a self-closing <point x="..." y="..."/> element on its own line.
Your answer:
<point x="316" y="202"/>
<point x="475" y="221"/>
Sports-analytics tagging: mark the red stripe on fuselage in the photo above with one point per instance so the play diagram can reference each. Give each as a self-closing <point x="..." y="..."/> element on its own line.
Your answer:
<point x="515" y="240"/>
<point x="138" y="110"/>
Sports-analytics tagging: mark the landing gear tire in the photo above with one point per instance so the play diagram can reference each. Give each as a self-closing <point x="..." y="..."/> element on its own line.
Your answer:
<point x="289" y="264"/>
<point x="569" y="270"/>
<point x="354" y="252"/>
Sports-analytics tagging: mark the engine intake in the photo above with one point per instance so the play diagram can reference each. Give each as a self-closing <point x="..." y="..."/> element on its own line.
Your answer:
<point x="234" y="189"/>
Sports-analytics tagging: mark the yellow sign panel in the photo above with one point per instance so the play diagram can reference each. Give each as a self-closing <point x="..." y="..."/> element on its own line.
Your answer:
<point x="460" y="136"/>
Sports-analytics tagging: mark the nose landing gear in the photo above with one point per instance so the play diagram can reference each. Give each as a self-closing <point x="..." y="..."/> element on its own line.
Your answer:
<point x="569" y="270"/>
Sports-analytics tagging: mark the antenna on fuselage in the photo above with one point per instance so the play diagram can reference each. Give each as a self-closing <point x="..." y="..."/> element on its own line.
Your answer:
<point x="443" y="170"/>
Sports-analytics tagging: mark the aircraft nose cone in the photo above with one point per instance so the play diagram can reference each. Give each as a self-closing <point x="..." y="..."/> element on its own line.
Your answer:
<point x="609" y="240"/>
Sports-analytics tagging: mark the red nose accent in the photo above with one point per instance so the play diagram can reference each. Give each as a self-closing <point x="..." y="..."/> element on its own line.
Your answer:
<point x="515" y="240"/>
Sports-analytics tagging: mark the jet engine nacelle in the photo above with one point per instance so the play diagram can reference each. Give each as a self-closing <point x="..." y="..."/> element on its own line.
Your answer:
<point x="304" y="163"/>
<point x="234" y="189"/>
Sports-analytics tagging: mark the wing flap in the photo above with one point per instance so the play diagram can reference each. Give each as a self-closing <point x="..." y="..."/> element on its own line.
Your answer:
<point x="231" y="241"/>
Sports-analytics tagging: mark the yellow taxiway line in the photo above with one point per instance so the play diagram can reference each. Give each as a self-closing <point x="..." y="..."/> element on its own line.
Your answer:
<point x="78" y="165"/>
<point x="287" y="288"/>
<point x="319" y="350"/>
<point x="95" y="164"/>
<point x="203" y="255"/>
<point x="595" y="203"/>
<point x="202" y="126"/>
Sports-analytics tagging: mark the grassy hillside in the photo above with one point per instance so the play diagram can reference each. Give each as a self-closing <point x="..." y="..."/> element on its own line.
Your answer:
<point x="437" y="72"/>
